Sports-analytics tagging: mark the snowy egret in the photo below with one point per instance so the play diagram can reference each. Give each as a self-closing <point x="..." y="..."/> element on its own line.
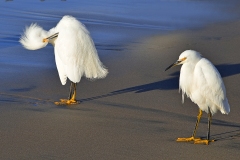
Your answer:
<point x="75" y="52"/>
<point x="201" y="81"/>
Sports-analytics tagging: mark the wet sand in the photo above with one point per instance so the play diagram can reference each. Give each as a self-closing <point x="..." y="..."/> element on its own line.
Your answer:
<point x="134" y="113"/>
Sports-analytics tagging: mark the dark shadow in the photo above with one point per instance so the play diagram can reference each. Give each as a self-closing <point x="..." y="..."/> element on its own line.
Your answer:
<point x="8" y="101"/>
<point x="225" y="123"/>
<point x="170" y="83"/>
<point x="228" y="69"/>
<point x="226" y="135"/>
<point x="235" y="134"/>
<point x="26" y="89"/>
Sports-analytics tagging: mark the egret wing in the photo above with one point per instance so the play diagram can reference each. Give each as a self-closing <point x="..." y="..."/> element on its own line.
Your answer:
<point x="67" y="51"/>
<point x="61" y="68"/>
<point x="77" y="51"/>
<point x="208" y="81"/>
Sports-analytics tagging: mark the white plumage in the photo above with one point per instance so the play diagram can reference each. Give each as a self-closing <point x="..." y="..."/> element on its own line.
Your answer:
<point x="75" y="52"/>
<point x="33" y="36"/>
<point x="202" y="83"/>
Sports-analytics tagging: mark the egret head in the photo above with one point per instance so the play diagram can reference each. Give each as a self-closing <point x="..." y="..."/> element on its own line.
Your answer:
<point x="186" y="56"/>
<point x="51" y="39"/>
<point x="32" y="38"/>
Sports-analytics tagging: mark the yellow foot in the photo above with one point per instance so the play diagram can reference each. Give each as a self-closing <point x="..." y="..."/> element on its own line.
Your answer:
<point x="188" y="139"/>
<point x="195" y="140"/>
<point x="66" y="102"/>
<point x="203" y="141"/>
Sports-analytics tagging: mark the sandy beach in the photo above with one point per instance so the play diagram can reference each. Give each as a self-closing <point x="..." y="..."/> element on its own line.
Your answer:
<point x="135" y="113"/>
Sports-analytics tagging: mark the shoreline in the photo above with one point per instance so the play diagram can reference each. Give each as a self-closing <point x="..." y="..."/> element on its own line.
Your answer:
<point x="134" y="113"/>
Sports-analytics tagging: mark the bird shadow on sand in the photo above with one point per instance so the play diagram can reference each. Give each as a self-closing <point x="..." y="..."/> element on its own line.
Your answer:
<point x="167" y="84"/>
<point x="230" y="135"/>
<point x="171" y="83"/>
<point x="234" y="134"/>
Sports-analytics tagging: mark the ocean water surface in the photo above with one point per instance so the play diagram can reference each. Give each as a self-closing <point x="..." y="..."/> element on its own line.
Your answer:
<point x="110" y="22"/>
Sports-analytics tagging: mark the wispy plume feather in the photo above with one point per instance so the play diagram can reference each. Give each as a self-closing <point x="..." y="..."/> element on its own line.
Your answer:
<point x="33" y="36"/>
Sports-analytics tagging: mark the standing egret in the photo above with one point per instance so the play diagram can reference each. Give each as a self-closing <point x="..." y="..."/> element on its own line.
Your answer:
<point x="75" y="52"/>
<point x="201" y="81"/>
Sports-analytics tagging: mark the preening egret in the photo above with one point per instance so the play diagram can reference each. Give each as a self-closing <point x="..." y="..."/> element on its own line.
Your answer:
<point x="201" y="81"/>
<point x="75" y="52"/>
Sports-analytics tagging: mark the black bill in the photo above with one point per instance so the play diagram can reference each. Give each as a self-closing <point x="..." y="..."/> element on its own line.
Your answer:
<point x="172" y="65"/>
<point x="53" y="36"/>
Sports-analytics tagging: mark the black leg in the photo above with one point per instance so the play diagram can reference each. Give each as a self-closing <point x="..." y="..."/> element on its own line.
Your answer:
<point x="71" y="90"/>
<point x="209" y="123"/>
<point x="206" y="141"/>
<point x="73" y="95"/>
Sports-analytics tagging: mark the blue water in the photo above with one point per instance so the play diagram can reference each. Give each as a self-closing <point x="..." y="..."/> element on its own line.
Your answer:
<point x="100" y="15"/>
<point x="111" y="22"/>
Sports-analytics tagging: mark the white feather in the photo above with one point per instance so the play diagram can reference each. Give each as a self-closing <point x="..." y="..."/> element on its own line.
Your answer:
<point x="61" y="69"/>
<point x="33" y="36"/>
<point x="201" y="81"/>
<point x="76" y="51"/>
